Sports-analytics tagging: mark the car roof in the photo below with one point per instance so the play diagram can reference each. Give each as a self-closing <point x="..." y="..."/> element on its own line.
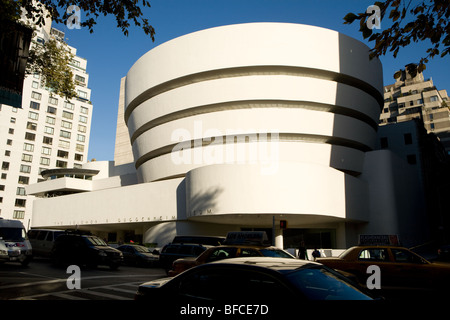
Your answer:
<point x="277" y="264"/>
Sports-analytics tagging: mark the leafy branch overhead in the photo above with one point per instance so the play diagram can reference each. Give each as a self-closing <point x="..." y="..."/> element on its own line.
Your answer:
<point x="51" y="59"/>
<point x="124" y="11"/>
<point x="425" y="21"/>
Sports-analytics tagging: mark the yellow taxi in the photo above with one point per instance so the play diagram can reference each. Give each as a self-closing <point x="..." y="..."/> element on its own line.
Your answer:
<point x="398" y="266"/>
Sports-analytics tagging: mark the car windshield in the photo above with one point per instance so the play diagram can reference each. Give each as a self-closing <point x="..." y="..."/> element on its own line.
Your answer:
<point x="275" y="253"/>
<point x="95" y="241"/>
<point x="13" y="234"/>
<point x="319" y="283"/>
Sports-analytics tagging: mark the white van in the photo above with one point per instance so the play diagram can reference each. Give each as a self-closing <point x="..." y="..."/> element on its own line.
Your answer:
<point x="14" y="244"/>
<point x="42" y="241"/>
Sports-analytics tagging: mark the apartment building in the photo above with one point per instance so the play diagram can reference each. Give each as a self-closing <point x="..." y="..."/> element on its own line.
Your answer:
<point x="415" y="97"/>
<point x="47" y="132"/>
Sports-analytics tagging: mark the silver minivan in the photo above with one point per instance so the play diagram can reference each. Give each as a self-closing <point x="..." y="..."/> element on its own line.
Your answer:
<point x="42" y="240"/>
<point x="14" y="244"/>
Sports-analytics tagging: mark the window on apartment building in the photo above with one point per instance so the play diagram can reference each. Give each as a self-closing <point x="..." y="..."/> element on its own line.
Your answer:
<point x="31" y="126"/>
<point x="431" y="116"/>
<point x="27" y="157"/>
<point x="25" y="168"/>
<point x="65" y="134"/>
<point x="28" y="147"/>
<point x="82" y="94"/>
<point x="80" y="147"/>
<point x="78" y="157"/>
<point x="35" y="105"/>
<point x="75" y="62"/>
<point x="408" y="138"/>
<point x="18" y="214"/>
<point x="63" y="154"/>
<point x="50" y="120"/>
<point x="33" y="115"/>
<point x="68" y="105"/>
<point x="384" y="142"/>
<point x="67" y="115"/>
<point x="84" y="110"/>
<point x="23" y="180"/>
<point x="5" y="165"/>
<point x="20" y="203"/>
<point x="9" y="142"/>
<point x="61" y="164"/>
<point x="35" y="85"/>
<point x="30" y="136"/>
<point x="81" y="128"/>
<point x="411" y="158"/>
<point x="432" y="126"/>
<point x="21" y="191"/>
<point x="7" y="153"/>
<point x="51" y="110"/>
<point x="420" y="101"/>
<point x="11" y="131"/>
<point x="47" y="140"/>
<point x="80" y="79"/>
<point x="411" y="103"/>
<point x="66" y="124"/>
<point x="81" y="138"/>
<point x="49" y="130"/>
<point x="45" y="161"/>
<point x="4" y="175"/>
<point x="52" y="100"/>
<point x="46" y="151"/>
<point x="64" y="144"/>
<point x="83" y="119"/>
<point x="36" y="95"/>
<point x="434" y="98"/>
<point x="12" y="120"/>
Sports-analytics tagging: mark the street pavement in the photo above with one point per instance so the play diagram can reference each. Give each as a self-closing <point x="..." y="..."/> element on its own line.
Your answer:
<point x="40" y="280"/>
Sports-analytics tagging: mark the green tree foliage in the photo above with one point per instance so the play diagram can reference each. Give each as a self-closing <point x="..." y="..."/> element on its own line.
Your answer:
<point x="51" y="61"/>
<point x="408" y="22"/>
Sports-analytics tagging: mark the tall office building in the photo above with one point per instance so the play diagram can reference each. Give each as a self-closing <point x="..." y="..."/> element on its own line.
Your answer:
<point x="416" y="97"/>
<point x="48" y="132"/>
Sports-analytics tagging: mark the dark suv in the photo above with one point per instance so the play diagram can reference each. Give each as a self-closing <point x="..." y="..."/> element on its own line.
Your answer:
<point x="81" y="249"/>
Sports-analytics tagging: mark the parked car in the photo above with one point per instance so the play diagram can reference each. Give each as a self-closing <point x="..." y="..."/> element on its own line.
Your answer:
<point x="14" y="243"/>
<point x="226" y="252"/>
<point x="174" y="251"/>
<point x="252" y="281"/>
<point x="138" y="255"/>
<point x="42" y="240"/>
<point x="398" y="266"/>
<point x="82" y="249"/>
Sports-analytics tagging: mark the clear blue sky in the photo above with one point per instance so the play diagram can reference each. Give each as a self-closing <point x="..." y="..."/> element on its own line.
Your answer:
<point x="110" y="54"/>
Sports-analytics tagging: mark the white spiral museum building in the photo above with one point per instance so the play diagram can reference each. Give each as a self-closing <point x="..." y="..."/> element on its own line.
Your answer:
<point x="239" y="126"/>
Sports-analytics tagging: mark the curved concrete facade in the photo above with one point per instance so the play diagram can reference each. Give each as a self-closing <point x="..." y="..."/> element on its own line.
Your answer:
<point x="253" y="93"/>
<point x="239" y="127"/>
